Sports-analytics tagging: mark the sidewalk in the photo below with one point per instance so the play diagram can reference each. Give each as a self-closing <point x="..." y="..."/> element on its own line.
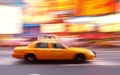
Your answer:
<point x="7" y="48"/>
<point x="4" y="52"/>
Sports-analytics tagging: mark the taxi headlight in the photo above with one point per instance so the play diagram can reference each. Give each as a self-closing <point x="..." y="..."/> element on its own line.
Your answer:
<point x="91" y="53"/>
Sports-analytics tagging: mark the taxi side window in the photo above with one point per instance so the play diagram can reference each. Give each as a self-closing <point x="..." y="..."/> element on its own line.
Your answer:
<point x="41" y="45"/>
<point x="58" y="45"/>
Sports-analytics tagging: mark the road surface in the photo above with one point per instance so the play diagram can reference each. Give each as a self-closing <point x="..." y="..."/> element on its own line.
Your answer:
<point x="107" y="62"/>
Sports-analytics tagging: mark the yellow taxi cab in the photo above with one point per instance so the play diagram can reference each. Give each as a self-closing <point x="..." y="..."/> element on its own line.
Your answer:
<point x="52" y="49"/>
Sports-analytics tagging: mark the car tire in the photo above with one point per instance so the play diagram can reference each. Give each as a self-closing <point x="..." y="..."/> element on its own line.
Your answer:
<point x="80" y="58"/>
<point x="30" y="58"/>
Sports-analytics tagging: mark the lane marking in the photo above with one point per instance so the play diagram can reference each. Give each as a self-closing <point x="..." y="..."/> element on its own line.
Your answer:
<point x="105" y="63"/>
<point x="35" y="74"/>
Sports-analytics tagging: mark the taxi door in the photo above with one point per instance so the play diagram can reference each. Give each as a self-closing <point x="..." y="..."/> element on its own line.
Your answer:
<point x="42" y="51"/>
<point x="60" y="52"/>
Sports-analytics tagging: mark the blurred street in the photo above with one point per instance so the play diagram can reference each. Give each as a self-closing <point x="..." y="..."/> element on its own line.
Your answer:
<point x="107" y="62"/>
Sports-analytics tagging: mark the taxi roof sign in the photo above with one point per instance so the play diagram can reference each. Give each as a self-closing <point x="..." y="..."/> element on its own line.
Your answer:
<point x="46" y="36"/>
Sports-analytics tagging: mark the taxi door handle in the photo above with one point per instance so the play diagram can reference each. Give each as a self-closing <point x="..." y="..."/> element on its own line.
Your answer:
<point x="56" y="51"/>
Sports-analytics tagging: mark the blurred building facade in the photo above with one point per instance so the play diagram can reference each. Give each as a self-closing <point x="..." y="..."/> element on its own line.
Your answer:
<point x="48" y="16"/>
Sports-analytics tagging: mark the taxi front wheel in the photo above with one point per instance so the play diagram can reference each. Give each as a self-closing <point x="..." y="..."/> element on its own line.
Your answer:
<point x="80" y="58"/>
<point x="30" y="58"/>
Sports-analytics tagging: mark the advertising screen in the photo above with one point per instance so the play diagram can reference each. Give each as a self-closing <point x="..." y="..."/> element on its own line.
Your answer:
<point x="94" y="7"/>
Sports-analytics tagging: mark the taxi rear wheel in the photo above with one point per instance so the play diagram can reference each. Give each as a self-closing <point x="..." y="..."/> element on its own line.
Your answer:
<point x="30" y="58"/>
<point x="80" y="58"/>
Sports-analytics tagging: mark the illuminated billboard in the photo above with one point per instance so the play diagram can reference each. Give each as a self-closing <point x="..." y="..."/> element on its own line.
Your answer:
<point x="80" y="27"/>
<point x="64" y="27"/>
<point x="37" y="11"/>
<point x="52" y="28"/>
<point x="65" y="4"/>
<point x="118" y="6"/>
<point x="10" y="20"/>
<point x="115" y="27"/>
<point x="94" y="7"/>
<point x="47" y="11"/>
